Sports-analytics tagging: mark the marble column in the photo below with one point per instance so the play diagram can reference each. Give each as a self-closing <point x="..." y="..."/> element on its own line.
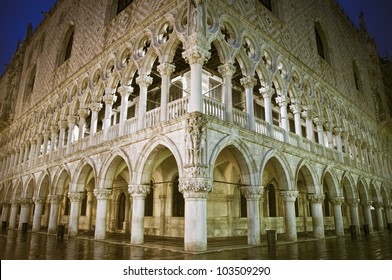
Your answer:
<point x="367" y="214"/>
<point x="54" y="129"/>
<point x="95" y="107"/>
<point x="14" y="214"/>
<point x="195" y="191"/>
<point x="138" y="193"/>
<point x="102" y="196"/>
<point x="319" y="122"/>
<point x="55" y="201"/>
<point x="39" y="202"/>
<point x="308" y="115"/>
<point x="63" y="124"/>
<point x="39" y="144"/>
<point x="165" y="69"/>
<point x="196" y="57"/>
<point x="76" y="199"/>
<point x="144" y="81"/>
<point x="248" y="83"/>
<point x="339" y="145"/>
<point x="33" y="142"/>
<point x="267" y="93"/>
<point x="353" y="204"/>
<point x="162" y="214"/>
<point x="380" y="219"/>
<point x="289" y="198"/>
<point x="46" y="141"/>
<point x="227" y="71"/>
<point x="337" y="202"/>
<point x="83" y="114"/>
<point x="253" y="195"/>
<point x="283" y="101"/>
<point x="109" y="98"/>
<point x="329" y="127"/>
<point x="25" y="211"/>
<point x="124" y="91"/>
<point x="296" y="109"/>
<point x="71" y="126"/>
<point x="316" y="201"/>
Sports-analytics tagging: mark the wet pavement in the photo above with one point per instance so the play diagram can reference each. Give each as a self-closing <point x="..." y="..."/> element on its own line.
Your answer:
<point x="16" y="245"/>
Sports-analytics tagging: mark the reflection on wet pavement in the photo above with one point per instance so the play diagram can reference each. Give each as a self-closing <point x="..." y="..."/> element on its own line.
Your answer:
<point x="40" y="246"/>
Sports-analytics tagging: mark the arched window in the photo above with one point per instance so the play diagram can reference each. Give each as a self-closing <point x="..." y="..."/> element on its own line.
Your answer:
<point x="321" y="42"/>
<point x="271" y="200"/>
<point x="178" y="200"/>
<point x="121" y="211"/>
<point x="66" y="47"/>
<point x="149" y="202"/>
<point x="30" y="81"/>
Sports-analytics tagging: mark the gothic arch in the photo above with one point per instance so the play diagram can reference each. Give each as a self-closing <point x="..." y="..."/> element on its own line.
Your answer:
<point x="332" y="181"/>
<point x="62" y="176"/>
<point x="281" y="167"/>
<point x="113" y="166"/>
<point x="82" y="173"/>
<point x="310" y="176"/>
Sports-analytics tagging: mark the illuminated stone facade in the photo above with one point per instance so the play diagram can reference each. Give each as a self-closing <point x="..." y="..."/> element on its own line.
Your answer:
<point x="195" y="119"/>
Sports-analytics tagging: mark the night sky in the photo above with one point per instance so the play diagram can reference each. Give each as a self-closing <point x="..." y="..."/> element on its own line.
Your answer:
<point x="15" y="16"/>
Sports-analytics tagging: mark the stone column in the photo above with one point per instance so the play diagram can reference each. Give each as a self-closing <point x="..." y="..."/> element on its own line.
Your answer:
<point x="38" y="213"/>
<point x="267" y="93"/>
<point x="367" y="214"/>
<point x="253" y="195"/>
<point x="125" y="91"/>
<point x="345" y="143"/>
<point x="195" y="188"/>
<point x="26" y="152"/>
<point x="139" y="193"/>
<point x="144" y="81"/>
<point x="296" y="109"/>
<point x="5" y="212"/>
<point x="63" y="124"/>
<point x="95" y="107"/>
<point x="165" y="69"/>
<point x="380" y="220"/>
<point x="39" y="144"/>
<point x="83" y="114"/>
<point x="14" y="214"/>
<point x="248" y="83"/>
<point x="196" y="56"/>
<point x="338" y="132"/>
<point x="76" y="199"/>
<point x="353" y="204"/>
<point x="388" y="212"/>
<point x="33" y="142"/>
<point x="289" y="198"/>
<point x="25" y="211"/>
<point x="319" y="122"/>
<point x="308" y="115"/>
<point x="329" y="127"/>
<point x="53" y="139"/>
<point x="19" y="160"/>
<point x="337" y="202"/>
<point x="55" y="201"/>
<point x="316" y="201"/>
<point x="102" y="196"/>
<point x="282" y="101"/>
<point x="162" y="214"/>
<point x="109" y="98"/>
<point x="227" y="71"/>
<point x="46" y="140"/>
<point x="71" y="126"/>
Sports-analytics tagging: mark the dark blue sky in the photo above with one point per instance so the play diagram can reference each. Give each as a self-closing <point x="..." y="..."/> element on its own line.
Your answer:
<point x="15" y="16"/>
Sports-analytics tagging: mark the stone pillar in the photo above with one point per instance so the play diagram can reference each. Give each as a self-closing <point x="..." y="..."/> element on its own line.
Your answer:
<point x="253" y="195"/>
<point x="308" y="115"/>
<point x="367" y="214"/>
<point x="25" y="211"/>
<point x="195" y="187"/>
<point x="319" y="122"/>
<point x="125" y="91"/>
<point x="5" y="212"/>
<point x="338" y="132"/>
<point x="95" y="107"/>
<point x="196" y="56"/>
<point x="46" y="140"/>
<point x="289" y="198"/>
<point x="71" y="126"/>
<point x="144" y="81"/>
<point x="380" y="220"/>
<point x="102" y="196"/>
<point x="63" y="124"/>
<point x="353" y="204"/>
<point x="388" y="213"/>
<point x="345" y="143"/>
<point x="55" y="201"/>
<point x="282" y="101"/>
<point x="38" y="213"/>
<point x="139" y="193"/>
<point x="26" y="153"/>
<point x="316" y="201"/>
<point x="337" y="202"/>
<point x="18" y="160"/>
<point x="14" y="214"/>
<point x="39" y="144"/>
<point x="162" y="214"/>
<point x="76" y="199"/>
<point x="267" y="93"/>
<point x="53" y="139"/>
<point x="109" y="98"/>
<point x="165" y="69"/>
<point x="296" y="109"/>
<point x="329" y="127"/>
<point x="83" y="114"/>
<point x="227" y="71"/>
<point x="248" y="83"/>
<point x="33" y="142"/>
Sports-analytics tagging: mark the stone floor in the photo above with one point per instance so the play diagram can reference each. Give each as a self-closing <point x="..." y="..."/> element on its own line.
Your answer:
<point x="40" y="246"/>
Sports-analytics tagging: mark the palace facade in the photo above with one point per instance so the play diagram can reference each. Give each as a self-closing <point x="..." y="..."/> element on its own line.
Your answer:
<point x="196" y="119"/>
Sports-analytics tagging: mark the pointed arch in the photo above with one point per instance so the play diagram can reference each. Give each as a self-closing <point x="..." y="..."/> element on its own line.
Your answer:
<point x="281" y="166"/>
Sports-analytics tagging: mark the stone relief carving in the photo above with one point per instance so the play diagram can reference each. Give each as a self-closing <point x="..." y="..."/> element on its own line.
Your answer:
<point x="196" y="140"/>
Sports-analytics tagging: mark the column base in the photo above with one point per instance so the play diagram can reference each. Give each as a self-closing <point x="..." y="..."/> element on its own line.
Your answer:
<point x="195" y="246"/>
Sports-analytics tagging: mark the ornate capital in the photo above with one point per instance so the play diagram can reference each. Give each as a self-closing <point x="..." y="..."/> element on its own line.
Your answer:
<point x="252" y="192"/>
<point x="196" y="171"/>
<point x="337" y="200"/>
<point x="319" y="121"/>
<point x="308" y="114"/>
<point x="144" y="80"/>
<point x="282" y="100"/>
<point x="267" y="92"/>
<point x="26" y="202"/>
<point x="76" y="196"/>
<point x="125" y="90"/>
<point x="55" y="198"/>
<point x="109" y="99"/>
<point x="316" y="198"/>
<point x="248" y="82"/>
<point x="54" y="129"/>
<point x="39" y="200"/>
<point x="195" y="187"/>
<point x="196" y="55"/>
<point x="83" y="113"/>
<point x="72" y="120"/>
<point x="63" y="124"/>
<point x="329" y="126"/>
<point x="95" y="106"/>
<point x="378" y="204"/>
<point x="227" y="70"/>
<point x="353" y="202"/>
<point x="166" y="69"/>
<point x="102" y="194"/>
<point x="289" y="196"/>
<point x="139" y="190"/>
<point x="296" y="108"/>
<point x="367" y="203"/>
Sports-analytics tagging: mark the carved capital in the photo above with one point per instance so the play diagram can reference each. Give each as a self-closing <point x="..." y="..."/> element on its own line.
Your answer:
<point x="83" y="113"/>
<point x="282" y="100"/>
<point x="227" y="70"/>
<point x="319" y="121"/>
<point x="102" y="194"/>
<point x="295" y="108"/>
<point x="166" y="69"/>
<point x="196" y="171"/>
<point x="144" y="80"/>
<point x="248" y="82"/>
<point x="76" y="196"/>
<point x="289" y="196"/>
<point x="195" y="187"/>
<point x="39" y="200"/>
<point x="196" y="55"/>
<point x="316" y="198"/>
<point x="54" y="129"/>
<point x="25" y="202"/>
<point x="125" y="90"/>
<point x="63" y="124"/>
<point x="337" y="200"/>
<point x="308" y="114"/>
<point x="72" y="120"/>
<point x="95" y="106"/>
<point x="353" y="202"/>
<point x="139" y="190"/>
<point x="267" y="92"/>
<point x="366" y="203"/>
<point x="329" y="126"/>
<point x="378" y="204"/>
<point x="55" y="198"/>
<point x="252" y="192"/>
<point x="109" y="99"/>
